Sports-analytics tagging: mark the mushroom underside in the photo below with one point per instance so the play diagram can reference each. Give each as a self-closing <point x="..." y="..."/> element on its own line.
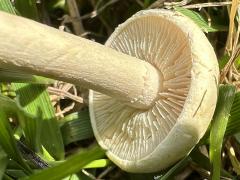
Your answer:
<point x="131" y="135"/>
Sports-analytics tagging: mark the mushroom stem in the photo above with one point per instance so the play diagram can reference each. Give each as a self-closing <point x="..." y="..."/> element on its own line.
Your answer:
<point x="42" y="50"/>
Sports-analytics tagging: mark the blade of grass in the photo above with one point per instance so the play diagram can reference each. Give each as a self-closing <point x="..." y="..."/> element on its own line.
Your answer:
<point x="233" y="11"/>
<point x="200" y="21"/>
<point x="176" y="168"/>
<point x="12" y="164"/>
<point x="27" y="8"/>
<point x="15" y="173"/>
<point x="219" y="124"/>
<point x="32" y="127"/>
<point x="29" y="124"/>
<point x="204" y="162"/>
<point x="72" y="177"/>
<point x="3" y="162"/>
<point x="72" y="165"/>
<point x="233" y="125"/>
<point x="100" y="163"/>
<point x="6" y="5"/>
<point x="31" y="156"/>
<point x="56" y="4"/>
<point x="7" y="177"/>
<point x="34" y="98"/>
<point x="232" y="156"/>
<point x="8" y="142"/>
<point x="76" y="127"/>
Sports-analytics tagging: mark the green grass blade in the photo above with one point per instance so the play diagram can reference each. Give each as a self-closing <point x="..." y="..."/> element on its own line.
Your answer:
<point x="7" y="177"/>
<point x="27" y="8"/>
<point x="204" y="162"/>
<point x="36" y="161"/>
<point x="176" y="168"/>
<point x="8" y="142"/>
<point x="32" y="127"/>
<point x="6" y="5"/>
<point x="72" y="165"/>
<point x="76" y="127"/>
<point x="100" y="163"/>
<point x="146" y="3"/>
<point x="15" y="173"/>
<point x="233" y="125"/>
<point x="200" y="21"/>
<point x="34" y="98"/>
<point x="72" y="177"/>
<point x="219" y="124"/>
<point x="3" y="162"/>
<point x="28" y="123"/>
<point x="56" y="4"/>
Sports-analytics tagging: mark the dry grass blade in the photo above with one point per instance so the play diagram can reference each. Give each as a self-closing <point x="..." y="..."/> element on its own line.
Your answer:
<point x="229" y="65"/>
<point x="236" y="77"/>
<point x="92" y="14"/>
<point x="229" y="73"/>
<point x="157" y="4"/>
<point x="231" y="25"/>
<point x="169" y="5"/>
<point x="184" y="3"/>
<point x="63" y="93"/>
<point x="233" y="158"/>
<point x="105" y="172"/>
<point x="203" y="172"/>
<point x="140" y="3"/>
<point x="74" y="13"/>
<point x="89" y="175"/>
<point x="65" y="110"/>
<point x="63" y="90"/>
<point x="203" y="5"/>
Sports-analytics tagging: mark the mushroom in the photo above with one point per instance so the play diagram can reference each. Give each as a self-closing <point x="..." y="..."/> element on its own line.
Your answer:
<point x="148" y="140"/>
<point x="147" y="110"/>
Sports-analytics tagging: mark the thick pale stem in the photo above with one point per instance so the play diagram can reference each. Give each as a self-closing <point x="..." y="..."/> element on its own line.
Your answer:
<point x="42" y="50"/>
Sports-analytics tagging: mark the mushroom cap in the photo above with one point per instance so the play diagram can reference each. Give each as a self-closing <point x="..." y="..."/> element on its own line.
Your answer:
<point x="150" y="140"/>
